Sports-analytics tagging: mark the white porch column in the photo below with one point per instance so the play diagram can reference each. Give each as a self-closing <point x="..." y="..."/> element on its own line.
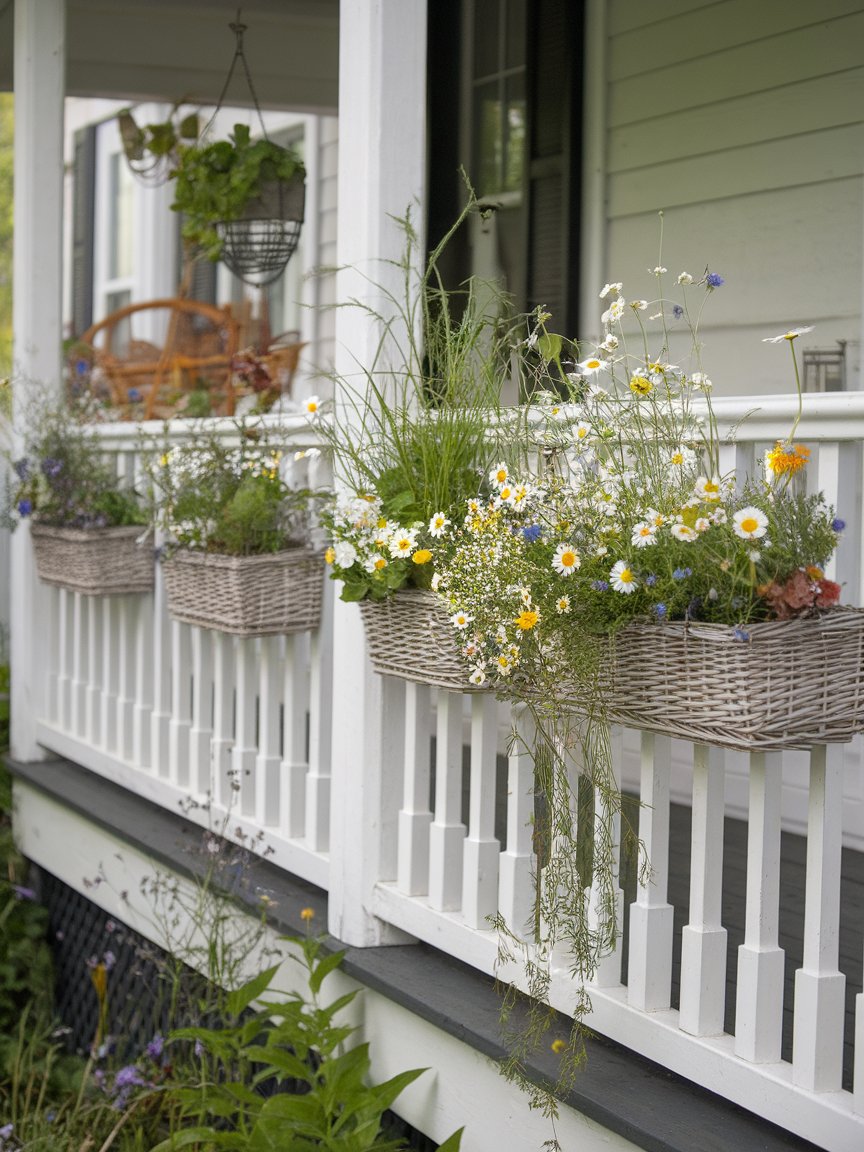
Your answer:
<point x="382" y="145"/>
<point x="40" y="29"/>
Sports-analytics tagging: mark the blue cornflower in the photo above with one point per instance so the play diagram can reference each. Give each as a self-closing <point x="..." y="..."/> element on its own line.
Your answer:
<point x="25" y="507"/>
<point x="838" y="525"/>
<point x="22" y="468"/>
<point x="133" y="395"/>
<point x="714" y="279"/>
<point x="740" y="633"/>
<point x="600" y="585"/>
<point x="660" y="610"/>
<point x="682" y="573"/>
<point x="82" y="367"/>
<point x="650" y="580"/>
<point x="677" y="311"/>
<point x="51" y="467"/>
<point x="532" y="532"/>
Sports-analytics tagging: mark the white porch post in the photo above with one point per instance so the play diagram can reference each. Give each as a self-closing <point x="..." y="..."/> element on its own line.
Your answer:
<point x="382" y="146"/>
<point x="40" y="29"/>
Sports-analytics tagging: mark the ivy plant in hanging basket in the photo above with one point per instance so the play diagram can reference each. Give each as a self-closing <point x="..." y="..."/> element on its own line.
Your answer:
<point x="243" y="202"/>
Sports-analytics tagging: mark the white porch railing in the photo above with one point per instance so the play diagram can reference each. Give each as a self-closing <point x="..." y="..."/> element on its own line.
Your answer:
<point x="182" y="715"/>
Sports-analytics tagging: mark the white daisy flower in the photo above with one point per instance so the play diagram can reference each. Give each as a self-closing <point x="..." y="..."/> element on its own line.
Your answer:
<point x="683" y="532"/>
<point x="477" y="676"/>
<point x="610" y="344"/>
<point x="750" y="523"/>
<point x="643" y="534"/>
<point x="616" y="288"/>
<point x="655" y="519"/>
<point x="592" y="365"/>
<point x="525" y="596"/>
<point x="439" y="524"/>
<point x="702" y="524"/>
<point x="792" y="334"/>
<point x="718" y="516"/>
<point x="499" y="474"/>
<point x="505" y="496"/>
<point x="566" y="560"/>
<point x="581" y="431"/>
<point x="312" y="406"/>
<point x="403" y="543"/>
<point x="346" y="554"/>
<point x="460" y="620"/>
<point x="622" y="578"/>
<point x="562" y="605"/>
<point x="681" y="456"/>
<point x="707" y="490"/>
<point x="375" y="562"/>
<point x="615" y="311"/>
<point x="754" y="554"/>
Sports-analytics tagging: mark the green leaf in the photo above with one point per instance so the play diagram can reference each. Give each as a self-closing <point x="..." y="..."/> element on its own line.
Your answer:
<point x="452" y="1143"/>
<point x="387" y="1092"/>
<point x="242" y="997"/>
<point x="322" y="968"/>
<point x="549" y="346"/>
<point x="353" y="592"/>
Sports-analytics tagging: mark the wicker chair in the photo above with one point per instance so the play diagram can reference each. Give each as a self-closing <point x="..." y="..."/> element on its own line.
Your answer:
<point x="192" y="352"/>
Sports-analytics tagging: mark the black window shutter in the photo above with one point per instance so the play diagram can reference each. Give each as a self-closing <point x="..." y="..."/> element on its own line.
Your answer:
<point x="83" y="214"/>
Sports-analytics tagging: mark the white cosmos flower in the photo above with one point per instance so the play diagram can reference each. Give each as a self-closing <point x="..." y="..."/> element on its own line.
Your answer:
<point x="616" y="288"/>
<point x="643" y="534"/>
<point x="566" y="559"/>
<point x="622" y="578"/>
<point x="346" y="554"/>
<point x="439" y="524"/>
<point x="460" y="620"/>
<point x="683" y="532"/>
<point x="792" y="334"/>
<point x="750" y="523"/>
<point x="592" y="365"/>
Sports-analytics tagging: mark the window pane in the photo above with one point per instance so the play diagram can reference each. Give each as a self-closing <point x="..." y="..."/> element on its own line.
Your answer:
<point x="120" y="254"/>
<point x="514" y="135"/>
<point x="514" y="48"/>
<point x="488" y="143"/>
<point x="487" y="27"/>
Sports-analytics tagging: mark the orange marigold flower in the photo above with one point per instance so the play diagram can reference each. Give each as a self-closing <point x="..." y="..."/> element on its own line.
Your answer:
<point x="787" y="459"/>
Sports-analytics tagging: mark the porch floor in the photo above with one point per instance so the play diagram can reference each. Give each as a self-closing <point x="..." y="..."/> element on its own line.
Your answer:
<point x="645" y="1103"/>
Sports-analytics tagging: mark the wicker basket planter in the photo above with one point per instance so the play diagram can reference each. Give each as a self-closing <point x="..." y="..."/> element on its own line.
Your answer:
<point x="94" y="561"/>
<point x="409" y="635"/>
<point x="790" y="684"/>
<point x="265" y="595"/>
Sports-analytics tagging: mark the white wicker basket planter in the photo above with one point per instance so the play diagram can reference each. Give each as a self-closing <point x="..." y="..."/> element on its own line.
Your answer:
<point x="94" y="561"/>
<point x="409" y="635"/>
<point x="278" y="592"/>
<point x="790" y="684"/>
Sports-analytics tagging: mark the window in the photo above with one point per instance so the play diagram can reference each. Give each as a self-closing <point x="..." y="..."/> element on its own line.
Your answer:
<point x="498" y="82"/>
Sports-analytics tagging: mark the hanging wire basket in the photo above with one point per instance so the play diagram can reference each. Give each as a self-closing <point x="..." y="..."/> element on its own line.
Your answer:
<point x="257" y="246"/>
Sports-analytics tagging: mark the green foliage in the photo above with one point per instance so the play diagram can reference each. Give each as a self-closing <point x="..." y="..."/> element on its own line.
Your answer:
<point x="227" y="498"/>
<point x="280" y="1075"/>
<point x="62" y="479"/>
<point x="416" y="436"/>
<point x="216" y="181"/>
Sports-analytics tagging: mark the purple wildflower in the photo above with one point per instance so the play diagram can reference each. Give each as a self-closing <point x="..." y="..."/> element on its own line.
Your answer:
<point x="714" y="279"/>
<point x="109" y="960"/>
<point x="154" y="1048"/>
<point x="600" y="585"/>
<point x="741" y="634"/>
<point x="23" y="893"/>
<point x="25" y="507"/>
<point x="129" y="1077"/>
<point x="650" y="580"/>
<point x="838" y="525"/>
<point x="677" y="311"/>
<point x="660" y="611"/>
<point x="532" y="533"/>
<point x="133" y="395"/>
<point x="22" y="468"/>
<point x="199" y="1049"/>
<point x="682" y="573"/>
<point x="6" y="1131"/>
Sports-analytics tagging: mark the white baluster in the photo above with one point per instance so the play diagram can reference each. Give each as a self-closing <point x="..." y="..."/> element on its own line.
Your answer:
<point x="245" y="748"/>
<point x="481" y="849"/>
<point x="142" y="713"/>
<point x="161" y="714"/>
<point x="827" y="481"/>
<point x="817" y="1042"/>
<point x="181" y="704"/>
<point x="318" y="781"/>
<point x="759" y="1002"/>
<point x="127" y="608"/>
<point x="110" y="673"/>
<point x="447" y="831"/>
<point x="649" y="971"/>
<point x="267" y="762"/>
<point x="295" y="765"/>
<point x="80" y="676"/>
<point x="93" y="693"/>
<point x="517" y="864"/>
<point x="223" y="783"/>
<point x="607" y="839"/>
<point x="415" y="817"/>
<point x="52" y="696"/>
<point x="201" y="730"/>
<point x="703" y="941"/>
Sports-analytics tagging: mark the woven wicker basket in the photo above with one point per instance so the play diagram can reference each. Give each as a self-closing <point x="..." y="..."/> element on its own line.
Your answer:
<point x="409" y="635"/>
<point x="93" y="561"/>
<point x="791" y="684"/>
<point x="279" y="592"/>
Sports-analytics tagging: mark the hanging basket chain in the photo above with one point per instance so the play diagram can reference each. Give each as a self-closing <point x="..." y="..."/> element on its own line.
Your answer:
<point x="239" y="30"/>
